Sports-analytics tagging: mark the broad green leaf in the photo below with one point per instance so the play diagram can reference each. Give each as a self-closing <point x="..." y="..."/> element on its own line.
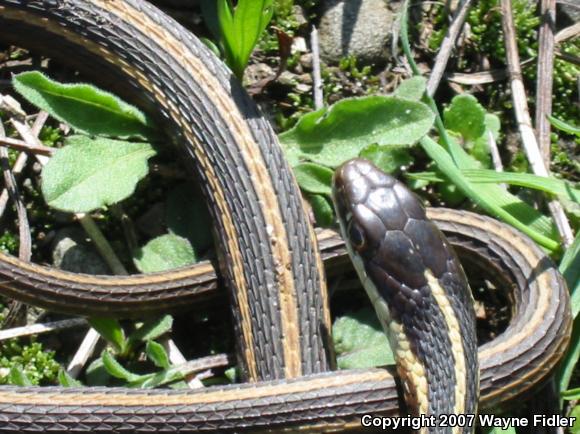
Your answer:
<point x="157" y="354"/>
<point x="390" y="159"/>
<point x="17" y="377"/>
<point x="187" y="216"/>
<point x="566" y="127"/>
<point x="465" y="116"/>
<point x="491" y="198"/>
<point x="84" y="107"/>
<point x="412" y="88"/>
<point x="322" y="209"/>
<point x="110" y="329"/>
<point x="91" y="173"/>
<point x="65" y="380"/>
<point x="333" y="135"/>
<point x="360" y="342"/>
<point x="314" y="178"/>
<point x="152" y="329"/>
<point x="164" y="253"/>
<point x="116" y="369"/>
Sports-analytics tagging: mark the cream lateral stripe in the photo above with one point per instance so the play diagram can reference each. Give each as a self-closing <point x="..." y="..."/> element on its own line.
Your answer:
<point x="256" y="165"/>
<point x="410" y="369"/>
<point x="457" y="350"/>
<point x="93" y="398"/>
<point x="518" y="245"/>
<point x="233" y="246"/>
<point x="200" y="269"/>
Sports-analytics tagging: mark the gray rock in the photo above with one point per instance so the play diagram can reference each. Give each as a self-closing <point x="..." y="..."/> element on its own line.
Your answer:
<point x="73" y="252"/>
<point x="359" y="28"/>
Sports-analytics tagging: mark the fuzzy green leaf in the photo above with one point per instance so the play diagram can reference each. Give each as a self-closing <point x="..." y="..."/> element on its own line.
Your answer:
<point x="390" y="159"/>
<point x="314" y="178"/>
<point x="152" y="329"/>
<point x="164" y="253"/>
<point x="360" y="342"/>
<point x="65" y="380"/>
<point x="155" y="380"/>
<point x="465" y="116"/>
<point x="110" y="329"/>
<point x="116" y="369"/>
<point x="333" y="135"/>
<point x="575" y="429"/>
<point x="157" y="354"/>
<point x="84" y="107"/>
<point x="91" y="173"/>
<point x="412" y="88"/>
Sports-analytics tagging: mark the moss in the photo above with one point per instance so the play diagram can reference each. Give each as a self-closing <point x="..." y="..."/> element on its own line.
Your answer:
<point x="38" y="365"/>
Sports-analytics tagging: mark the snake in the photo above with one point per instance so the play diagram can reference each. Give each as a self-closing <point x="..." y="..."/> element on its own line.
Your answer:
<point x="270" y="259"/>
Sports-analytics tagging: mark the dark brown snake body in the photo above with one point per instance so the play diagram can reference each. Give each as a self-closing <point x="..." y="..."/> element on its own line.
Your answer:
<point x="269" y="260"/>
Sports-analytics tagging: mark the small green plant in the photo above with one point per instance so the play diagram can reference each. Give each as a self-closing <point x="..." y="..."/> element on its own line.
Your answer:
<point x="27" y="365"/>
<point x="237" y="28"/>
<point x="128" y="350"/>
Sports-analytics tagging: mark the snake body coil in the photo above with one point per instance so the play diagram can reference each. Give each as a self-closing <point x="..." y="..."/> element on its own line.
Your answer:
<point x="269" y="257"/>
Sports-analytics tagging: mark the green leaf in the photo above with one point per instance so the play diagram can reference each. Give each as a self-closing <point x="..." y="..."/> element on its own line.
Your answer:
<point x="465" y="116"/>
<point x="164" y="253"/>
<point x="157" y="354"/>
<point x="322" y="209"/>
<point x="571" y="395"/>
<point x="152" y="329"/>
<point x="360" y="342"/>
<point x="390" y="159"/>
<point x="493" y="199"/>
<point x="65" y="380"/>
<point x="92" y="173"/>
<point x="561" y="125"/>
<point x="482" y="176"/>
<point x="17" y="377"/>
<point x="111" y="331"/>
<point x="96" y="374"/>
<point x="84" y="107"/>
<point x="575" y="429"/>
<point x="412" y="88"/>
<point x="314" y="178"/>
<point x="116" y="369"/>
<point x="570" y="269"/>
<point x="241" y="29"/>
<point x="187" y="216"/>
<point x="155" y="380"/>
<point x="333" y="135"/>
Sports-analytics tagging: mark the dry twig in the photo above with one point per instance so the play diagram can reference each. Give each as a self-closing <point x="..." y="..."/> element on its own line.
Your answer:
<point x="446" y="47"/>
<point x="316" y="75"/>
<point x="524" y="121"/>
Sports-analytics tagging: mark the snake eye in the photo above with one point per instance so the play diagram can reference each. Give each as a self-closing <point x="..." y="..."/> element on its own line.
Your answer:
<point x="356" y="236"/>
